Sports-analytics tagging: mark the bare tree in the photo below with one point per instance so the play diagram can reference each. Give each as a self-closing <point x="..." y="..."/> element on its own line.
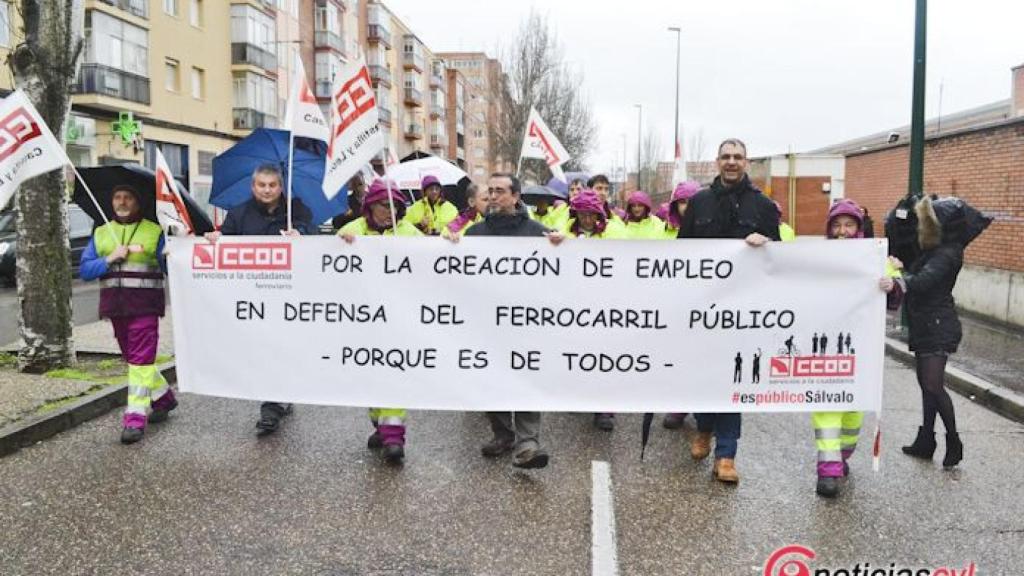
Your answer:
<point x="536" y="75"/>
<point x="698" y="146"/>
<point x="44" y="65"/>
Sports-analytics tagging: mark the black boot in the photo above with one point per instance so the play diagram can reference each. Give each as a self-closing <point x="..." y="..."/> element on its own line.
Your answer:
<point x="827" y="487"/>
<point x="394" y="453"/>
<point x="923" y="446"/>
<point x="954" y="451"/>
<point x="131" y="435"/>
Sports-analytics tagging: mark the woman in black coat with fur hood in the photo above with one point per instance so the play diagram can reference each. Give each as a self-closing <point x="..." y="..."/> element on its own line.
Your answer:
<point x="944" y="229"/>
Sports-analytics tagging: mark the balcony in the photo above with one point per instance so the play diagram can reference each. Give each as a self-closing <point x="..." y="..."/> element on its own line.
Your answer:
<point x="384" y="115"/>
<point x="460" y="126"/>
<point x="138" y="8"/>
<point x="413" y="61"/>
<point x="414" y="131"/>
<point x="107" y="81"/>
<point x="329" y="40"/>
<point x="378" y="34"/>
<point x="379" y="75"/>
<point x="460" y="152"/>
<point x="339" y="3"/>
<point x="244" y="53"/>
<point x="436" y="80"/>
<point x="249" y="119"/>
<point x="436" y="110"/>
<point x="438" y="141"/>
<point x="413" y="97"/>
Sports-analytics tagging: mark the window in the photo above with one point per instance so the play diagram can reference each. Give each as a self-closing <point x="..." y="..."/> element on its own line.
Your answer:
<point x="116" y="43"/>
<point x="171" y="75"/>
<point x="198" y="83"/>
<point x="250" y="26"/>
<point x="478" y="133"/>
<point x="5" y="23"/>
<point x="176" y="156"/>
<point x="327" y="19"/>
<point x="195" y="13"/>
<point x="171" y="7"/>
<point x="255" y="92"/>
<point x="205" y="159"/>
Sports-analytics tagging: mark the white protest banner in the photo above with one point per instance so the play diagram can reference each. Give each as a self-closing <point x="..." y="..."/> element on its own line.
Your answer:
<point x="303" y="116"/>
<point x="518" y="324"/>
<point x="356" y="136"/>
<point x="170" y="208"/>
<point x="540" y="142"/>
<point x="27" y="147"/>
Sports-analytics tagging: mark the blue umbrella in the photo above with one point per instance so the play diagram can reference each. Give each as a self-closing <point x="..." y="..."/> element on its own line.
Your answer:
<point x="232" y="172"/>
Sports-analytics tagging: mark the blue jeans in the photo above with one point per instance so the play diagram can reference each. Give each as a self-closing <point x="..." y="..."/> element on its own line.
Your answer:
<point x="726" y="427"/>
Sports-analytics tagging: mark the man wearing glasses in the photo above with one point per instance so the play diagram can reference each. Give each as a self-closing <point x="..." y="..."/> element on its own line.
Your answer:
<point x="516" y="432"/>
<point x="730" y="208"/>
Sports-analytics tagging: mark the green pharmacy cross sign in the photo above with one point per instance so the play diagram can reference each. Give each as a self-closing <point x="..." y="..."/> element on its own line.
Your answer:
<point x="126" y="127"/>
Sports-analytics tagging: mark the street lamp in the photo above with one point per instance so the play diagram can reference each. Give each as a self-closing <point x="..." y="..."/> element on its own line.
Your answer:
<point x="639" y="139"/>
<point x="624" y="171"/>
<point x="678" y="32"/>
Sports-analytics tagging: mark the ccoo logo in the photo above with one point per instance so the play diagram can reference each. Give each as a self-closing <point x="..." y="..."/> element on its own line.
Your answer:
<point x="242" y="256"/>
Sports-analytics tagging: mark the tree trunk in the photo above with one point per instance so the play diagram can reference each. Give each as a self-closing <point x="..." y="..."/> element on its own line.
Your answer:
<point x="44" y="66"/>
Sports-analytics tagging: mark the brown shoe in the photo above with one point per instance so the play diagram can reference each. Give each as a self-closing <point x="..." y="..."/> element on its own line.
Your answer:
<point x="725" y="470"/>
<point x="701" y="446"/>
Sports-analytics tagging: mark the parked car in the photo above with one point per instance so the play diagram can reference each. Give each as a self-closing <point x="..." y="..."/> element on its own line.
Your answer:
<point x="80" y="231"/>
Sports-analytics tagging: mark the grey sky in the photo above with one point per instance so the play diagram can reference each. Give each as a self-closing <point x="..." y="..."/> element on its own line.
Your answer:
<point x="776" y="73"/>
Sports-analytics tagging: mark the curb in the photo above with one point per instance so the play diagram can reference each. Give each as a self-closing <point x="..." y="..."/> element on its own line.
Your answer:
<point x="42" y="426"/>
<point x="1004" y="402"/>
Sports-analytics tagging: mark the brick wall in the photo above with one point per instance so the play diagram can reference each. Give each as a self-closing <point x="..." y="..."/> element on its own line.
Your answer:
<point x="811" y="203"/>
<point x="984" y="167"/>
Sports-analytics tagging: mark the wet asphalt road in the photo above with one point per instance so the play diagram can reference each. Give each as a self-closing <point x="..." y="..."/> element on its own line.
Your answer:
<point x="200" y="495"/>
<point x="85" y="300"/>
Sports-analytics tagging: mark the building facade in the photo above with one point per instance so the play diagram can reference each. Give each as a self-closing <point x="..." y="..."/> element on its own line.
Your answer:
<point x="977" y="155"/>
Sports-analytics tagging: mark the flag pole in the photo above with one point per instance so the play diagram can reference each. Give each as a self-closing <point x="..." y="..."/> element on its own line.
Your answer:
<point x="291" y="142"/>
<point x="391" y="200"/>
<point x="291" y="148"/>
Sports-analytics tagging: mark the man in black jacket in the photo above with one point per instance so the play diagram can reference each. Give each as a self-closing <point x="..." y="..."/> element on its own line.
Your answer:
<point x="730" y="208"/>
<point x="517" y="432"/>
<point x="266" y="214"/>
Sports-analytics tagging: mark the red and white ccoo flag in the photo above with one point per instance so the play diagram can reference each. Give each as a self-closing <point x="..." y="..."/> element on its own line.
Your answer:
<point x="303" y="116"/>
<point x="356" y="136"/>
<point x="27" y="147"/>
<point x="540" y="142"/>
<point x="170" y="208"/>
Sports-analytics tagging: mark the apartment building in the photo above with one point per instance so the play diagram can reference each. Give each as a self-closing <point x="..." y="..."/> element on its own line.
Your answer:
<point x="482" y="76"/>
<point x="191" y="77"/>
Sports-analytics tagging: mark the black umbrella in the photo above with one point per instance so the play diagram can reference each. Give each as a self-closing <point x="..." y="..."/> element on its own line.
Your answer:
<point x="102" y="179"/>
<point x="645" y="433"/>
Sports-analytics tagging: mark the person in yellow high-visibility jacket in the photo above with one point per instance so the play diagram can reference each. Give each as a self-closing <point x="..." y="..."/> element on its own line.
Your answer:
<point x="126" y="255"/>
<point x="377" y="220"/>
<point x="836" y="433"/>
<point x="432" y="212"/>
<point x="640" y="222"/>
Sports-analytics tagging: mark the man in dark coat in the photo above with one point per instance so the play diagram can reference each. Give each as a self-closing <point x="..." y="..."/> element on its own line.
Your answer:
<point x="730" y="208"/>
<point x="517" y="432"/>
<point x="266" y="214"/>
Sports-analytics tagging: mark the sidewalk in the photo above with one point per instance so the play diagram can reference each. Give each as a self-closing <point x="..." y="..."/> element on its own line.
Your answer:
<point x="988" y="351"/>
<point x="34" y="406"/>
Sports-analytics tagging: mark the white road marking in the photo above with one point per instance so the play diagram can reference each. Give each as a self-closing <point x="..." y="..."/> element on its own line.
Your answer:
<point x="604" y="558"/>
